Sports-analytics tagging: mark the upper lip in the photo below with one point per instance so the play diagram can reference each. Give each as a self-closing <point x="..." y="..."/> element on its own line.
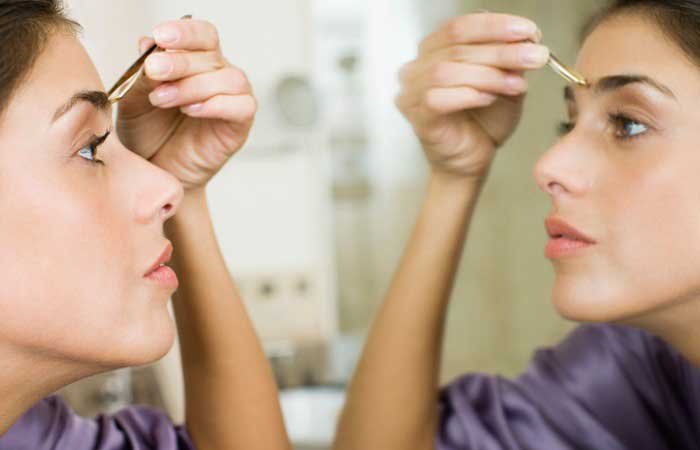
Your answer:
<point x="558" y="227"/>
<point x="162" y="259"/>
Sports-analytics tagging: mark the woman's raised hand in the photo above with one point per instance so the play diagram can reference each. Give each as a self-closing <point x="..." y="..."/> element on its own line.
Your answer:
<point x="463" y="94"/>
<point x="193" y="110"/>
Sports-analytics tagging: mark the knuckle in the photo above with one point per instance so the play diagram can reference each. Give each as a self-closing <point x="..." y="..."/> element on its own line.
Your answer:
<point x="249" y="107"/>
<point x="507" y="54"/>
<point x="433" y="100"/>
<point x="458" y="52"/>
<point x="440" y="73"/>
<point x="237" y="78"/>
<point x="213" y="33"/>
<point x="490" y="22"/>
<point x="455" y="29"/>
<point x="181" y="64"/>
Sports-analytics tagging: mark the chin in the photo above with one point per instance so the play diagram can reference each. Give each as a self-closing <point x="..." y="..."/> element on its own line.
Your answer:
<point x="588" y="303"/>
<point x="144" y="345"/>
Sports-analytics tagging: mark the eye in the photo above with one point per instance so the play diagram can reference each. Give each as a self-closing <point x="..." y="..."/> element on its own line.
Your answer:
<point x="89" y="152"/>
<point x="626" y="127"/>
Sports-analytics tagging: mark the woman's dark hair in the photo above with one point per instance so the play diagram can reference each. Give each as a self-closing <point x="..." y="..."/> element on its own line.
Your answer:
<point x="25" y="27"/>
<point x="678" y="19"/>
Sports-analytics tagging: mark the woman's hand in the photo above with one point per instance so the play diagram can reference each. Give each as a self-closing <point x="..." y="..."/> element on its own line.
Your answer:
<point x="193" y="110"/>
<point x="463" y="94"/>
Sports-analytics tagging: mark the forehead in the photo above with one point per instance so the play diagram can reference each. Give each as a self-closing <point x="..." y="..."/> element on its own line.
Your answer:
<point x="62" y="69"/>
<point x="631" y="43"/>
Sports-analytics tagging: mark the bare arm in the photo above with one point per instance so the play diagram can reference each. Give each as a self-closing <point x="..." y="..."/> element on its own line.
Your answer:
<point x="392" y="400"/>
<point x="463" y="96"/>
<point x="231" y="398"/>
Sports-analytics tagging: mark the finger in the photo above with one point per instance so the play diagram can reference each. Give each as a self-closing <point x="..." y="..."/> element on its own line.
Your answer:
<point x="168" y="66"/>
<point x="145" y="43"/>
<point x="522" y="56"/>
<point x="448" y="74"/>
<point x="481" y="28"/>
<point x="450" y="100"/>
<point x="238" y="109"/>
<point x="198" y="88"/>
<point x="187" y="34"/>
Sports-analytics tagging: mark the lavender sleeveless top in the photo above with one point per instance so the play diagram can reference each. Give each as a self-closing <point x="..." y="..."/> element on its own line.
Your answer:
<point x="603" y="388"/>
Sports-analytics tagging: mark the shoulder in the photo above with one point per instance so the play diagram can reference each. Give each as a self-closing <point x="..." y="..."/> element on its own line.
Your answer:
<point x="598" y="354"/>
<point x="52" y="424"/>
<point x="579" y="391"/>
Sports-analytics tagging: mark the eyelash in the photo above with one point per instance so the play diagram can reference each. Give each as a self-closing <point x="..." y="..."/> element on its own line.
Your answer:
<point x="93" y="146"/>
<point x="616" y="119"/>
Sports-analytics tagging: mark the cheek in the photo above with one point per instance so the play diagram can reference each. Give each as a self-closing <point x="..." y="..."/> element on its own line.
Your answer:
<point x="653" y="239"/>
<point x="67" y="257"/>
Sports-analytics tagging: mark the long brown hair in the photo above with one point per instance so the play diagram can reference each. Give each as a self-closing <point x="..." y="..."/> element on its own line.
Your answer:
<point x="678" y="19"/>
<point x="25" y="27"/>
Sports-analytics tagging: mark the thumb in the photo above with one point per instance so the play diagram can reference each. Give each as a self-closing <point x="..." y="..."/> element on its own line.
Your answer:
<point x="145" y="43"/>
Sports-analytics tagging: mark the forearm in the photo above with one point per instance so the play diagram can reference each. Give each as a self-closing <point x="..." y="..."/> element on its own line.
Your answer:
<point x="230" y="391"/>
<point x="392" y="400"/>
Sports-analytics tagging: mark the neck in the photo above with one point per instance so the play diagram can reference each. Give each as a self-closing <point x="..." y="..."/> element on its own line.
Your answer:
<point x="27" y="379"/>
<point x="678" y="326"/>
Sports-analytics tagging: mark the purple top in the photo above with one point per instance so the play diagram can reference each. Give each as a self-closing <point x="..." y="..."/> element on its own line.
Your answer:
<point x="52" y="425"/>
<point x="603" y="388"/>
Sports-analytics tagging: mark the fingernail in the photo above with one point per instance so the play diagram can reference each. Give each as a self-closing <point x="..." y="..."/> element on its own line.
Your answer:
<point x="158" y="65"/>
<point x="523" y="28"/>
<point x="163" y="95"/>
<point x="195" y="107"/>
<point x="535" y="56"/>
<point x="165" y="35"/>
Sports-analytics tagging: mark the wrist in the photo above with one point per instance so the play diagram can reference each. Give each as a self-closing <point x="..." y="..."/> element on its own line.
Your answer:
<point x="458" y="182"/>
<point x="192" y="211"/>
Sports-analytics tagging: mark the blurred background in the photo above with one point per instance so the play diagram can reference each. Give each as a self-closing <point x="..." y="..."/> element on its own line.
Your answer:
<point x="313" y="214"/>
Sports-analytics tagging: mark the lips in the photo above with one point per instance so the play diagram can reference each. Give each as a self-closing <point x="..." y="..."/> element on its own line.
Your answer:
<point x="163" y="259"/>
<point x="558" y="228"/>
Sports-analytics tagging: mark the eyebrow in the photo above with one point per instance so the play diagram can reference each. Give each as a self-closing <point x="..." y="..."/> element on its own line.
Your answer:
<point x="98" y="99"/>
<point x="615" y="82"/>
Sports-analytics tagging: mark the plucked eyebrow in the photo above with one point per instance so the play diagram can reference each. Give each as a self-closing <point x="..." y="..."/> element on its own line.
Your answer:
<point x="98" y="99"/>
<point x="615" y="82"/>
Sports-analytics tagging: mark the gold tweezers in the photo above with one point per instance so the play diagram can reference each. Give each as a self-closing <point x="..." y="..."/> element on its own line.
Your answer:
<point x="132" y="74"/>
<point x="565" y="72"/>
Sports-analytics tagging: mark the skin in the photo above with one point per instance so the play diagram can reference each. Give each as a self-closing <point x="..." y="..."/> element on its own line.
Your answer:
<point x="637" y="198"/>
<point x="78" y="237"/>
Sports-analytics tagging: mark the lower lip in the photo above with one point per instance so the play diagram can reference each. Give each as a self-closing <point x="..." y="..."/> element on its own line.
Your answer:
<point x="561" y="247"/>
<point x="165" y="277"/>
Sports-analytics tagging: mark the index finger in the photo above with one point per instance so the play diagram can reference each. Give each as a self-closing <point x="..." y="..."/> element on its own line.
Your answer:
<point x="481" y="28"/>
<point x="187" y="34"/>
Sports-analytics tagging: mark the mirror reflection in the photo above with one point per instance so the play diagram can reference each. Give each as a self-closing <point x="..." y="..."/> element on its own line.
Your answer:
<point x="356" y="225"/>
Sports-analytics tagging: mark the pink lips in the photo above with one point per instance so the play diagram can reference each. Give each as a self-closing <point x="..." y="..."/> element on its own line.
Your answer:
<point x="565" y="239"/>
<point x="162" y="274"/>
<point x="163" y="259"/>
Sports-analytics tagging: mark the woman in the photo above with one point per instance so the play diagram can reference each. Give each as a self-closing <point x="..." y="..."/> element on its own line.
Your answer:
<point x="625" y="240"/>
<point x="85" y="233"/>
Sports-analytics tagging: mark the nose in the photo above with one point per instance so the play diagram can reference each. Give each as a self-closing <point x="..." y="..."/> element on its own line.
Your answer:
<point x="544" y="175"/>
<point x="564" y="168"/>
<point x="160" y="195"/>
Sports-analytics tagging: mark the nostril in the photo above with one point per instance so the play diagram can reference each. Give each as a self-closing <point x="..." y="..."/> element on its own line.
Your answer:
<point x="167" y="208"/>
